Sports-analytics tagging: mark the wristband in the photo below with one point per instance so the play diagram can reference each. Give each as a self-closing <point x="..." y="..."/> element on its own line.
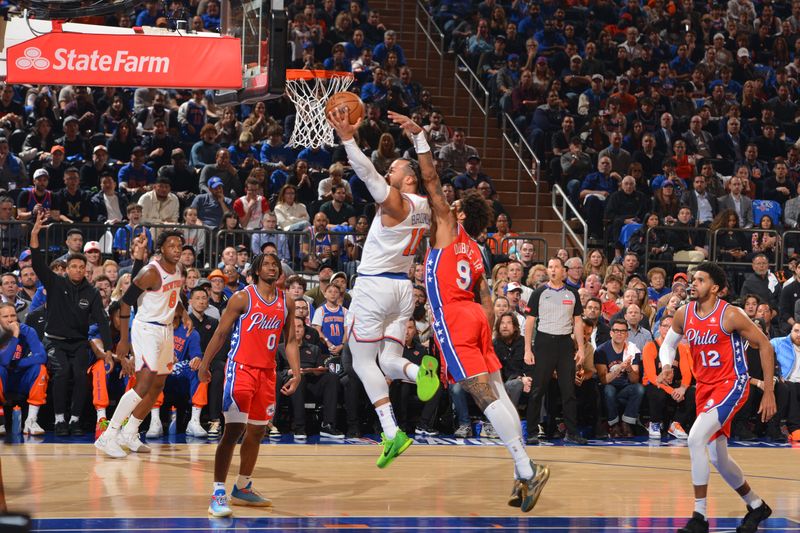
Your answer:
<point x="421" y="143"/>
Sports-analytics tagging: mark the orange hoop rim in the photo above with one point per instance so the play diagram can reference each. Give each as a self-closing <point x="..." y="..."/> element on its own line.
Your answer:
<point x="295" y="74"/>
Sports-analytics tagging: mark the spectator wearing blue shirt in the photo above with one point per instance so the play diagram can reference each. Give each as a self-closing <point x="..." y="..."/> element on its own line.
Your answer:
<point x="22" y="366"/>
<point x="338" y="62"/>
<point x="532" y="22"/>
<point x="244" y="156"/>
<point x="125" y="235"/>
<point x="136" y="178"/>
<point x="375" y="90"/>
<point x="204" y="151"/>
<point x="352" y="49"/>
<point x="389" y="44"/>
<point x="550" y="39"/>
<point x="594" y="193"/>
<point x="274" y="153"/>
<point x="212" y="205"/>
<point x="149" y="15"/>
<point x="682" y="65"/>
<point x="211" y="18"/>
<point x="481" y="42"/>
<point x="318" y="158"/>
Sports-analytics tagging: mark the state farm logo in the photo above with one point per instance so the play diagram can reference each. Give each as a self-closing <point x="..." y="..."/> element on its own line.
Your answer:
<point x="32" y="58"/>
<point x="95" y="61"/>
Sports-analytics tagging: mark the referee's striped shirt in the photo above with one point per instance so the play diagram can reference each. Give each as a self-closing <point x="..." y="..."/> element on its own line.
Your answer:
<point x="555" y="309"/>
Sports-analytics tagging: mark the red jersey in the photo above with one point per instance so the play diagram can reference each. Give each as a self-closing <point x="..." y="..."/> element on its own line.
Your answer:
<point x="717" y="355"/>
<point x="452" y="272"/>
<point x="255" y="338"/>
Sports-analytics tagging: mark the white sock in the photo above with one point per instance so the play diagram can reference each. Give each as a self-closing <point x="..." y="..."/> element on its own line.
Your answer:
<point x="219" y="486"/>
<point x="59" y="418"/>
<point x="196" y="414"/>
<point x="73" y="418"/>
<point x="125" y="407"/>
<point x="155" y="415"/>
<point x="700" y="506"/>
<point x="101" y="413"/>
<point x="243" y="481"/>
<point x="504" y="424"/>
<point x="133" y="425"/>
<point x="33" y="412"/>
<point x="388" y="422"/>
<point x="752" y="499"/>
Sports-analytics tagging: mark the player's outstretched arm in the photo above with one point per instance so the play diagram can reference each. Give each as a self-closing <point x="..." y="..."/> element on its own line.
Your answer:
<point x="236" y="306"/>
<point x="735" y="319"/>
<point x="292" y="351"/>
<point x="389" y="198"/>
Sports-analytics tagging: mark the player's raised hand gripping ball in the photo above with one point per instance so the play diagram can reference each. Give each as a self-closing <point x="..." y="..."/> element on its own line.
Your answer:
<point x="354" y="105"/>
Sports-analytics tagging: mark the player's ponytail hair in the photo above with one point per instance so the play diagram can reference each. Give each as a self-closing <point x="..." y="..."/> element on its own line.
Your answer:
<point x="716" y="273"/>
<point x="478" y="212"/>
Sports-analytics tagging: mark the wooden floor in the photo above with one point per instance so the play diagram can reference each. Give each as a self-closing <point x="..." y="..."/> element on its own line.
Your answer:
<point x="70" y="480"/>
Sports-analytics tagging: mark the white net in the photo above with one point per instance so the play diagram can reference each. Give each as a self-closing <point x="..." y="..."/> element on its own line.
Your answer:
<point x="311" y="128"/>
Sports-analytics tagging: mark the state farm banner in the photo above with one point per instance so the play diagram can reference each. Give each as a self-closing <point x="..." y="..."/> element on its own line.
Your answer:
<point x="59" y="58"/>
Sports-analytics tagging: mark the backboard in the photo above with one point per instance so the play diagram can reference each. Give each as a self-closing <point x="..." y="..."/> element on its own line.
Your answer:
<point x="262" y="27"/>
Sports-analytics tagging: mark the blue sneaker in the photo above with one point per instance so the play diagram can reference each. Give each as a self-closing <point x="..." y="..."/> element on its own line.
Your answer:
<point x="249" y="496"/>
<point x="218" y="508"/>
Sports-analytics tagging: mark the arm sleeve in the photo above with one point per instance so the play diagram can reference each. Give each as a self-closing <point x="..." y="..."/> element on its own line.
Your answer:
<point x="366" y="172"/>
<point x="8" y="352"/>
<point x="667" y="352"/>
<point x="37" y="355"/>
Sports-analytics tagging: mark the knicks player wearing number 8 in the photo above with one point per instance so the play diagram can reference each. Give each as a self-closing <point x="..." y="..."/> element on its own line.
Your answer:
<point x="258" y="314"/>
<point x="716" y="333"/>
<point x="156" y="291"/>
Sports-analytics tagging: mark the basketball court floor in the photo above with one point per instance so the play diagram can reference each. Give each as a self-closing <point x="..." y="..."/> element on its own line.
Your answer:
<point x="439" y="484"/>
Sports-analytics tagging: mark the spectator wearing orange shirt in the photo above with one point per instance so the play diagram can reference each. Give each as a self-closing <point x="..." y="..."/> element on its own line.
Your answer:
<point x="679" y="393"/>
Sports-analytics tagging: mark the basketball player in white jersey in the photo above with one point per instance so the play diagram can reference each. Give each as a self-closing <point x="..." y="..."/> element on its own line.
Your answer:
<point x="383" y="295"/>
<point x="156" y="292"/>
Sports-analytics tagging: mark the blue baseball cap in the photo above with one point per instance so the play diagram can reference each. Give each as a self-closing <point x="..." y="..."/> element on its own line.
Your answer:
<point x="24" y="255"/>
<point x="214" y="182"/>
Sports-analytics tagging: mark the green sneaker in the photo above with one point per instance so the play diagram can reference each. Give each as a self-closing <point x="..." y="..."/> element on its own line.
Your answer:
<point x="393" y="447"/>
<point x="427" y="378"/>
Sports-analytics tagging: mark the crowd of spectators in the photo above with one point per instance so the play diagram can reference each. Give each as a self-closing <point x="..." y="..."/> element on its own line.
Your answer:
<point x="682" y="96"/>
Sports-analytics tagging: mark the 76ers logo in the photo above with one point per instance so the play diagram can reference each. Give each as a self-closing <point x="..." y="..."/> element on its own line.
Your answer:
<point x="263" y="321"/>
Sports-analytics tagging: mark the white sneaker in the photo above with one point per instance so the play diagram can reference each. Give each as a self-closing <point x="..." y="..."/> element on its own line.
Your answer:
<point x="677" y="431"/>
<point x="2" y="429"/>
<point x="273" y="432"/>
<point x="32" y="427"/>
<point x="194" y="429"/>
<point x="110" y="446"/>
<point x="132" y="442"/>
<point x="155" y="430"/>
<point x="654" y="430"/>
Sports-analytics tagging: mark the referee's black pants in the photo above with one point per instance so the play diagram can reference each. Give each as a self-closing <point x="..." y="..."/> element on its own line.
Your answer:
<point x="553" y="352"/>
<point x="69" y="361"/>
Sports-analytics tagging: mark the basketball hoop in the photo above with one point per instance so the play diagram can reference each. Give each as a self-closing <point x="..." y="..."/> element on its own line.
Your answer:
<point x="309" y="90"/>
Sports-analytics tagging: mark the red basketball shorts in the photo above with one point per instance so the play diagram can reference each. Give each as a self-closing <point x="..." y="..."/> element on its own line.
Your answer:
<point x="463" y="336"/>
<point x="249" y="394"/>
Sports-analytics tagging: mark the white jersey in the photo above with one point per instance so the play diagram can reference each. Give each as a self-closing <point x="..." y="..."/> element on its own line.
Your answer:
<point x="392" y="250"/>
<point x="158" y="306"/>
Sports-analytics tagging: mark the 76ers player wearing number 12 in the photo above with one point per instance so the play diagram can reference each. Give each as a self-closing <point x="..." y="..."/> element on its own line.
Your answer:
<point x="716" y="333"/>
<point x="261" y="313"/>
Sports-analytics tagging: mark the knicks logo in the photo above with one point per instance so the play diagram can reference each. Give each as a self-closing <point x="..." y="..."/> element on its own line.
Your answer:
<point x="697" y="338"/>
<point x="263" y="321"/>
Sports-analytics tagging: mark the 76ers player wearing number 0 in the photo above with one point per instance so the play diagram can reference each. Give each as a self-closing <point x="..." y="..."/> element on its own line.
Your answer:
<point x="261" y="313"/>
<point x="716" y="333"/>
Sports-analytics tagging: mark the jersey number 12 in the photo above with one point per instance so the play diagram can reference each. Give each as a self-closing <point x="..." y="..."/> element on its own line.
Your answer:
<point x="710" y="359"/>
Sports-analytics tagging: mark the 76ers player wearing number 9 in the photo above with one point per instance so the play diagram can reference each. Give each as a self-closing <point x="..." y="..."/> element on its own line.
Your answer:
<point x="716" y="333"/>
<point x="261" y="313"/>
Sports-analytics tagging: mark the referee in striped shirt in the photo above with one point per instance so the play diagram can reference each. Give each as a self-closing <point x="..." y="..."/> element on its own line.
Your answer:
<point x="554" y="313"/>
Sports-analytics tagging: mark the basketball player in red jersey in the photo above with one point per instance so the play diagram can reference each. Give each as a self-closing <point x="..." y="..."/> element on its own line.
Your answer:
<point x="716" y="333"/>
<point x="261" y="313"/>
<point x="454" y="272"/>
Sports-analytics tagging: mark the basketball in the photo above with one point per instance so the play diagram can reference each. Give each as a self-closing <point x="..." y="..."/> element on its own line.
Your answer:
<point x="351" y="100"/>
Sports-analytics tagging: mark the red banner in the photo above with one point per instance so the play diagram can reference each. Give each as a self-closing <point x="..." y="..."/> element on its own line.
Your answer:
<point x="127" y="61"/>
